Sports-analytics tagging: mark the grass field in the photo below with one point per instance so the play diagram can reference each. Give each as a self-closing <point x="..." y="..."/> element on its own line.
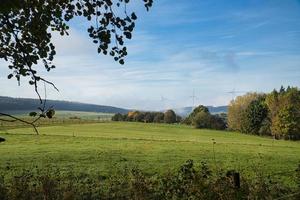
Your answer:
<point x="155" y="148"/>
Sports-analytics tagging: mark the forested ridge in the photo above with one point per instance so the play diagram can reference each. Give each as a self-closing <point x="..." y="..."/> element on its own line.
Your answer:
<point x="20" y="105"/>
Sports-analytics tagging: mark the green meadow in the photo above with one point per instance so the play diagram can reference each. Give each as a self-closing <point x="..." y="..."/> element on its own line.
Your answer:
<point x="154" y="148"/>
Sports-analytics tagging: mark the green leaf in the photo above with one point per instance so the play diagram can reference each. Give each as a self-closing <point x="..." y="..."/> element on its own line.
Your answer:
<point x="50" y="113"/>
<point x="128" y="35"/>
<point x="10" y="76"/>
<point x="133" y="16"/>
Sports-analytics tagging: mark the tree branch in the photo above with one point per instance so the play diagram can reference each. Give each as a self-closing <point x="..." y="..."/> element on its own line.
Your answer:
<point x="18" y="119"/>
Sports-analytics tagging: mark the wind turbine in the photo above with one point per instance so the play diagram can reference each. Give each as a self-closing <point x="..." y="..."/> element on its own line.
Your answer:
<point x="193" y="97"/>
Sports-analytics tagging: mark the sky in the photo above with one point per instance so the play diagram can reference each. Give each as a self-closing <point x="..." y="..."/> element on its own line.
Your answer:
<point x="208" y="48"/>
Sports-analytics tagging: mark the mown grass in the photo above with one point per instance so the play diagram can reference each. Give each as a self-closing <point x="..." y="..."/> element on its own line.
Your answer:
<point x="153" y="148"/>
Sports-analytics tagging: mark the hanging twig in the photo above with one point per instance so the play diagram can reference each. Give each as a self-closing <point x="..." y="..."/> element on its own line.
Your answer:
<point x="32" y="123"/>
<point x="18" y="119"/>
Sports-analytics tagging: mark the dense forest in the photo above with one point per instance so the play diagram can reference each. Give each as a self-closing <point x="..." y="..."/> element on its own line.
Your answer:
<point x="274" y="114"/>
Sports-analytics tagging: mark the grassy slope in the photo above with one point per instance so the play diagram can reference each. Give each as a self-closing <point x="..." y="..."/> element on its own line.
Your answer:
<point x="152" y="147"/>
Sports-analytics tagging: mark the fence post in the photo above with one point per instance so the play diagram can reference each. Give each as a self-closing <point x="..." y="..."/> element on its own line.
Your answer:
<point x="235" y="177"/>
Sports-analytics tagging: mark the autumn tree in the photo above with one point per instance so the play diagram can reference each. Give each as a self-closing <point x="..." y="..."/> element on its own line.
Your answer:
<point x="284" y="106"/>
<point x="237" y="108"/>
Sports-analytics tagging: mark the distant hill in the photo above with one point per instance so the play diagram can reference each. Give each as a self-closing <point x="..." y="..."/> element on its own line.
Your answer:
<point x="185" y="111"/>
<point x="21" y="105"/>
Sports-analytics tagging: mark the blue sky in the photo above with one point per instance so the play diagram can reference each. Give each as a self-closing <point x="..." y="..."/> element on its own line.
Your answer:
<point x="211" y="47"/>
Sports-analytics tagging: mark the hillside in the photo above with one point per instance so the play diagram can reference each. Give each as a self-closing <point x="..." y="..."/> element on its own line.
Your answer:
<point x="20" y="105"/>
<point x="185" y="111"/>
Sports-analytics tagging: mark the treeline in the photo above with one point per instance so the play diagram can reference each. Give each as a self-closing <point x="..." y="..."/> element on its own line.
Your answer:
<point x="199" y="118"/>
<point x="148" y="117"/>
<point x="274" y="114"/>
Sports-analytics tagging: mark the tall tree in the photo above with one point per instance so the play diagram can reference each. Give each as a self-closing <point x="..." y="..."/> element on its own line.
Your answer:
<point x="284" y="112"/>
<point x="254" y="116"/>
<point x="236" y="110"/>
